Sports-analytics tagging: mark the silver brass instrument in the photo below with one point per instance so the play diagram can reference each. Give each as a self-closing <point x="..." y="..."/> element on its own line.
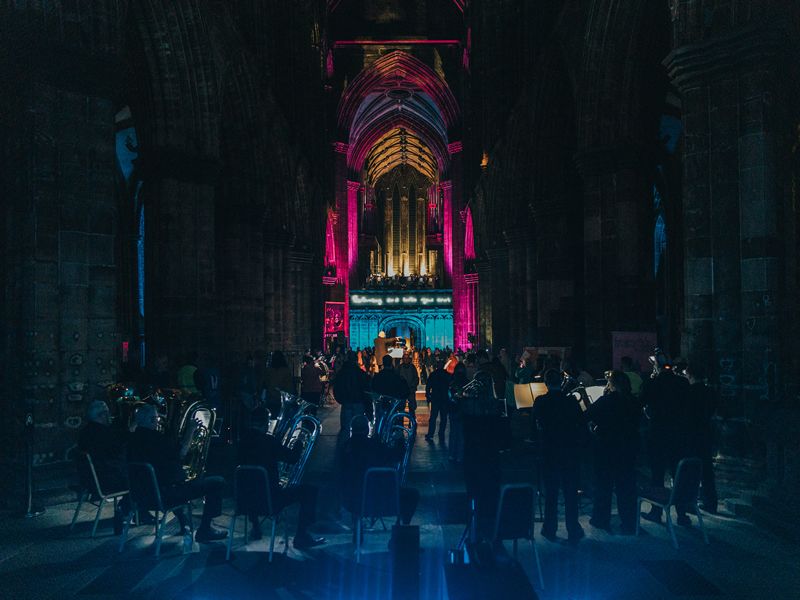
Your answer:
<point x="194" y="434"/>
<point x="291" y="408"/>
<point x="397" y="430"/>
<point x="294" y="426"/>
<point x="477" y="397"/>
<point x="305" y="431"/>
<point x="383" y="407"/>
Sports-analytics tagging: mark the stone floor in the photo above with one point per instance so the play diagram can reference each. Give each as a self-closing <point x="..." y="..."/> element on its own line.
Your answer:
<point x="40" y="558"/>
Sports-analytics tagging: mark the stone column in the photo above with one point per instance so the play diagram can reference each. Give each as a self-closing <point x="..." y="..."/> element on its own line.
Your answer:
<point x="521" y="291"/>
<point x="494" y="295"/>
<point x="454" y="228"/>
<point x="735" y="198"/>
<point x="471" y="280"/>
<point x="180" y="267"/>
<point x="241" y="280"/>
<point x="618" y="251"/>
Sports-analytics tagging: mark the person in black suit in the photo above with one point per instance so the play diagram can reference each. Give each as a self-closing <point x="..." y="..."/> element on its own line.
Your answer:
<point x="664" y="398"/>
<point x="561" y="422"/>
<point x="148" y="445"/>
<point x="614" y="421"/>
<point x="436" y="392"/>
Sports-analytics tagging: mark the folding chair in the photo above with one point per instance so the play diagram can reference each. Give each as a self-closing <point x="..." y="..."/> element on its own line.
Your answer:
<point x="380" y="497"/>
<point x="91" y="490"/>
<point x="515" y="516"/>
<point x="252" y="495"/>
<point x="684" y="492"/>
<point x="146" y="495"/>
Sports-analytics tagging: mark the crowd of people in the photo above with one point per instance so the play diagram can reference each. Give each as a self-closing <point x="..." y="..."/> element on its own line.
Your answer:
<point x="670" y="411"/>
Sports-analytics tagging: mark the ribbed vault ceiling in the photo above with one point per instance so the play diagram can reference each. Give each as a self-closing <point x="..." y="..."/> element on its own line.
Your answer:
<point x="400" y="147"/>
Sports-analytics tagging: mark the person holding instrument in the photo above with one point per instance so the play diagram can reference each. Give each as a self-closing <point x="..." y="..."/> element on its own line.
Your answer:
<point x="562" y="425"/>
<point x="148" y="445"/>
<point x="613" y="420"/>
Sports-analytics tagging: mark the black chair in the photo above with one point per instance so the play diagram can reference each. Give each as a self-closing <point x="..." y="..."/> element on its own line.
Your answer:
<point x="380" y="497"/>
<point x="251" y="494"/>
<point x="92" y="491"/>
<point x="146" y="495"/>
<point x="515" y="517"/>
<point x="684" y="493"/>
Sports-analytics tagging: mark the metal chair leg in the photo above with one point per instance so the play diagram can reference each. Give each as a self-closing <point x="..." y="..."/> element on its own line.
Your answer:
<point x="160" y="533"/>
<point x="538" y="563"/>
<point x="272" y="538"/>
<point x="700" y="521"/>
<point x="358" y="540"/>
<point x="97" y="516"/>
<point x="638" y="514"/>
<point x="81" y="500"/>
<point x="231" y="529"/>
<point x="125" y="527"/>
<point x="668" y="510"/>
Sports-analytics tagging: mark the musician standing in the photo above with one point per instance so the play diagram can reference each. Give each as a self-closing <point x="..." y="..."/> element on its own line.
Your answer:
<point x="148" y="445"/>
<point x="436" y="391"/>
<point x="349" y="390"/>
<point x="560" y="419"/>
<point x="382" y="346"/>
<point x="410" y="375"/>
<point x="311" y="384"/>
<point x="663" y="397"/>
<point x="388" y="382"/>
<point x="700" y="409"/>
<point x="614" y="421"/>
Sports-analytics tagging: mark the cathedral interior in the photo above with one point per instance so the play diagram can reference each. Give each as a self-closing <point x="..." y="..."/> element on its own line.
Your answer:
<point x="224" y="178"/>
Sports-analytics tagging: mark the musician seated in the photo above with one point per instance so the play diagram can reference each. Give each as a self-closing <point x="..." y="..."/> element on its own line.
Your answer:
<point x="362" y="452"/>
<point x="148" y="445"/>
<point x="106" y="445"/>
<point x="257" y="448"/>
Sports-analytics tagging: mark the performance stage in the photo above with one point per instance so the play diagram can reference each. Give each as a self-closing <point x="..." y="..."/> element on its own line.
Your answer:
<point x="423" y="316"/>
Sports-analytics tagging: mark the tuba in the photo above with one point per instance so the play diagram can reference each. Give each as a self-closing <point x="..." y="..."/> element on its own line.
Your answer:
<point x="396" y="431"/>
<point x="194" y="434"/>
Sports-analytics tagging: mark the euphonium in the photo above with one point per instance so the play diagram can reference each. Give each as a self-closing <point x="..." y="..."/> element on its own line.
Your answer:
<point x="383" y="407"/>
<point x="291" y="408"/>
<point x="194" y="434"/>
<point x="304" y="431"/>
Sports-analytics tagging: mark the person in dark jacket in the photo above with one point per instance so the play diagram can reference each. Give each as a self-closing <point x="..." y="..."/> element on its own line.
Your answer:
<point x="259" y="449"/>
<point x="663" y="397"/>
<point x="349" y="390"/>
<point x="148" y="445"/>
<point x="436" y="392"/>
<point x="613" y="419"/>
<point x="105" y="445"/>
<point x="700" y="408"/>
<point x="389" y="382"/>
<point x="561" y="422"/>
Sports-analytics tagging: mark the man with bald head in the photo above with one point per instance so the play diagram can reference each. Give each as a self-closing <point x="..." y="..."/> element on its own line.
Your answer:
<point x="106" y="446"/>
<point x="148" y="445"/>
